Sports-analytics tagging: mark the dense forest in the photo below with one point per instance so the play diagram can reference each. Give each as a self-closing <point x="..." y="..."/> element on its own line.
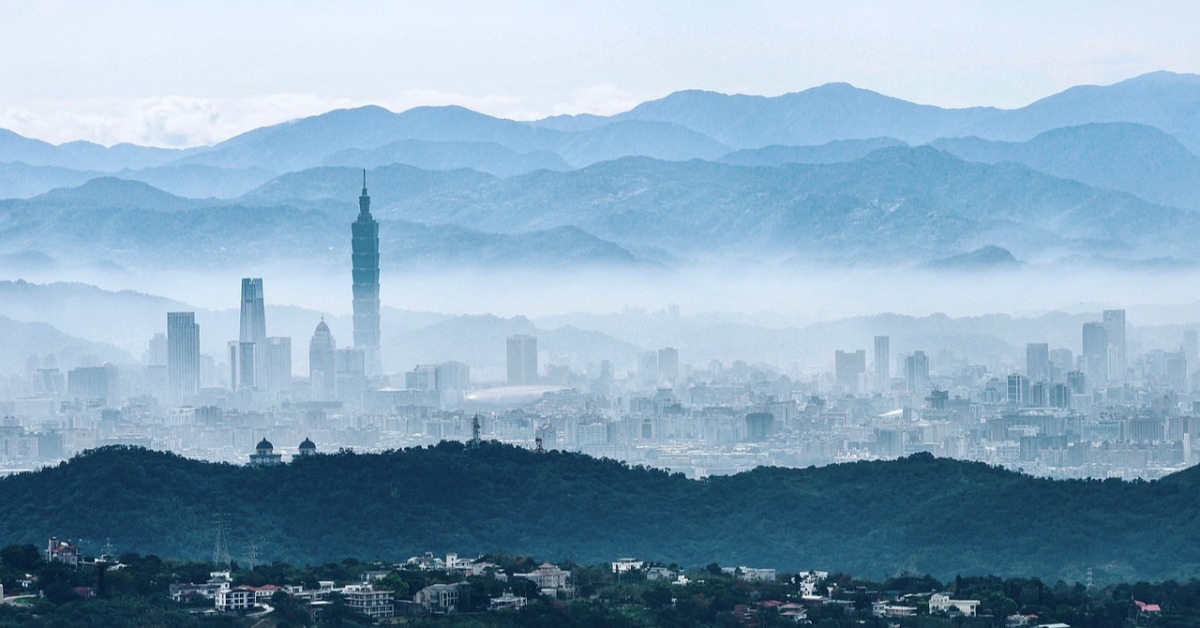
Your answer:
<point x="918" y="514"/>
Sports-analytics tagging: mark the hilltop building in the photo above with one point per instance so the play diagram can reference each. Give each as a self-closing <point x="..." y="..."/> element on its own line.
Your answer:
<point x="62" y="552"/>
<point x="364" y="245"/>
<point x="264" y="455"/>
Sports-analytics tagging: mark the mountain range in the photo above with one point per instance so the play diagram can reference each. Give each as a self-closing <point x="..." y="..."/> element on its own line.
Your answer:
<point x="836" y="173"/>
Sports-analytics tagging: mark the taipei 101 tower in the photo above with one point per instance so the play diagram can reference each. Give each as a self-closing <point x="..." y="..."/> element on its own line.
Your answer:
<point x="364" y="244"/>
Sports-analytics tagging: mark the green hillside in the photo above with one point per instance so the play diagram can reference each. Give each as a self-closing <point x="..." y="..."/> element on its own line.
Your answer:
<point x="918" y="514"/>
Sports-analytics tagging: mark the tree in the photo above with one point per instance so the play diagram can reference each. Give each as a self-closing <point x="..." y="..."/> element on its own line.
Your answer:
<point x="23" y="558"/>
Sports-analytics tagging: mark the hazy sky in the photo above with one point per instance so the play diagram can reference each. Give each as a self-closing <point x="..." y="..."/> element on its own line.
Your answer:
<point x="175" y="74"/>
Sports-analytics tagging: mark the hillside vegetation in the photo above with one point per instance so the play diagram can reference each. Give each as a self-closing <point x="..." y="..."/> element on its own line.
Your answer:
<point x="918" y="514"/>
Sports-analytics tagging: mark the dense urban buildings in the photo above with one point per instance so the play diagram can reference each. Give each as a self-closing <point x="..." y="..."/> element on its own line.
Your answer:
<point x="1061" y="409"/>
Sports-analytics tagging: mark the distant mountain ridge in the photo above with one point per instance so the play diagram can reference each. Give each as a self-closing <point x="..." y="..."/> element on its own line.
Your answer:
<point x="1133" y="158"/>
<point x="134" y="224"/>
<point x="631" y="211"/>
<point x="835" y="174"/>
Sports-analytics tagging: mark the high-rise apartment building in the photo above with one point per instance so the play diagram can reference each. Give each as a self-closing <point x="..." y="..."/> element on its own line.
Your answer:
<point x="364" y="244"/>
<point x="668" y="365"/>
<point x="276" y="369"/>
<point x="916" y="372"/>
<point x="848" y="368"/>
<point x="183" y="356"/>
<point x="322" y="375"/>
<point x="1037" y="361"/>
<point x="522" y="360"/>
<point x="1114" y="327"/>
<point x="350" y="379"/>
<point x="156" y="352"/>
<point x="883" y="368"/>
<point x="1095" y="352"/>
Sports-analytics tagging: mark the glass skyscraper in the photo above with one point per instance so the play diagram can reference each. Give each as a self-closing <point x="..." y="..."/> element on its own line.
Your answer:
<point x="364" y="245"/>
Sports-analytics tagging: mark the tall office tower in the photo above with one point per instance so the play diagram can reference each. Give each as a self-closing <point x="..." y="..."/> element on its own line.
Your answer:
<point x="254" y="315"/>
<point x="1095" y="352"/>
<point x="1114" y="326"/>
<point x="848" y="367"/>
<point x="364" y="244"/>
<point x="322" y="375"/>
<point x="245" y="361"/>
<point x="916" y="372"/>
<point x="1191" y="346"/>
<point x="522" y="360"/>
<point x="183" y="356"/>
<point x="276" y="354"/>
<point x="883" y="367"/>
<point x="1037" y="361"/>
<point x="668" y="365"/>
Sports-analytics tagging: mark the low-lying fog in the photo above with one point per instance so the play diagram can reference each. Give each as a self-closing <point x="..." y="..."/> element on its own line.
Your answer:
<point x="791" y="317"/>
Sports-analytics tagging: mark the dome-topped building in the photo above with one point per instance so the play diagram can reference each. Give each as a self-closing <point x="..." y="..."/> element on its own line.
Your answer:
<point x="264" y="455"/>
<point x="308" y="448"/>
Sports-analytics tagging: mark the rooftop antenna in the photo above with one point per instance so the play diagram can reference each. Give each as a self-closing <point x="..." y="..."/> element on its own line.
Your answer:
<point x="364" y="181"/>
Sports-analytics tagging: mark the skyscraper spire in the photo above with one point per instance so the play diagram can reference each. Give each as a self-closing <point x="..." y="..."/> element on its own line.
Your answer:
<point x="364" y="245"/>
<point x="364" y="201"/>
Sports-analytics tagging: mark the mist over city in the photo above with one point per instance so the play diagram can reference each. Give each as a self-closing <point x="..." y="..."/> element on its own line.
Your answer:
<point x="874" y="314"/>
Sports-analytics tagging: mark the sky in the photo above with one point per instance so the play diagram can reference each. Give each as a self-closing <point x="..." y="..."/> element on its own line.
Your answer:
<point x="185" y="74"/>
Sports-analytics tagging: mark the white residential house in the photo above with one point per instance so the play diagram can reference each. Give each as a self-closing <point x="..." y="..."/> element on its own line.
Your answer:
<point x="439" y="598"/>
<point x="623" y="565"/>
<point x="549" y="578"/>
<point x="507" y="602"/>
<point x="751" y="573"/>
<point x="235" y="599"/>
<point x="659" y="573"/>
<point x="367" y="600"/>
<point x="941" y="603"/>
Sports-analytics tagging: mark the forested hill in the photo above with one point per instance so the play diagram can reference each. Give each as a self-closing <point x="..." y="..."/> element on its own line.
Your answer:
<point x="918" y="514"/>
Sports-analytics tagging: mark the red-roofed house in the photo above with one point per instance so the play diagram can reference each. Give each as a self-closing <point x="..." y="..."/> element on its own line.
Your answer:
<point x="1145" y="608"/>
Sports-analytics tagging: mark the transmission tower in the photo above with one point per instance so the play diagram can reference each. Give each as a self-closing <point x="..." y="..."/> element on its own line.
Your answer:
<point x="220" y="547"/>
<point x="252" y="554"/>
